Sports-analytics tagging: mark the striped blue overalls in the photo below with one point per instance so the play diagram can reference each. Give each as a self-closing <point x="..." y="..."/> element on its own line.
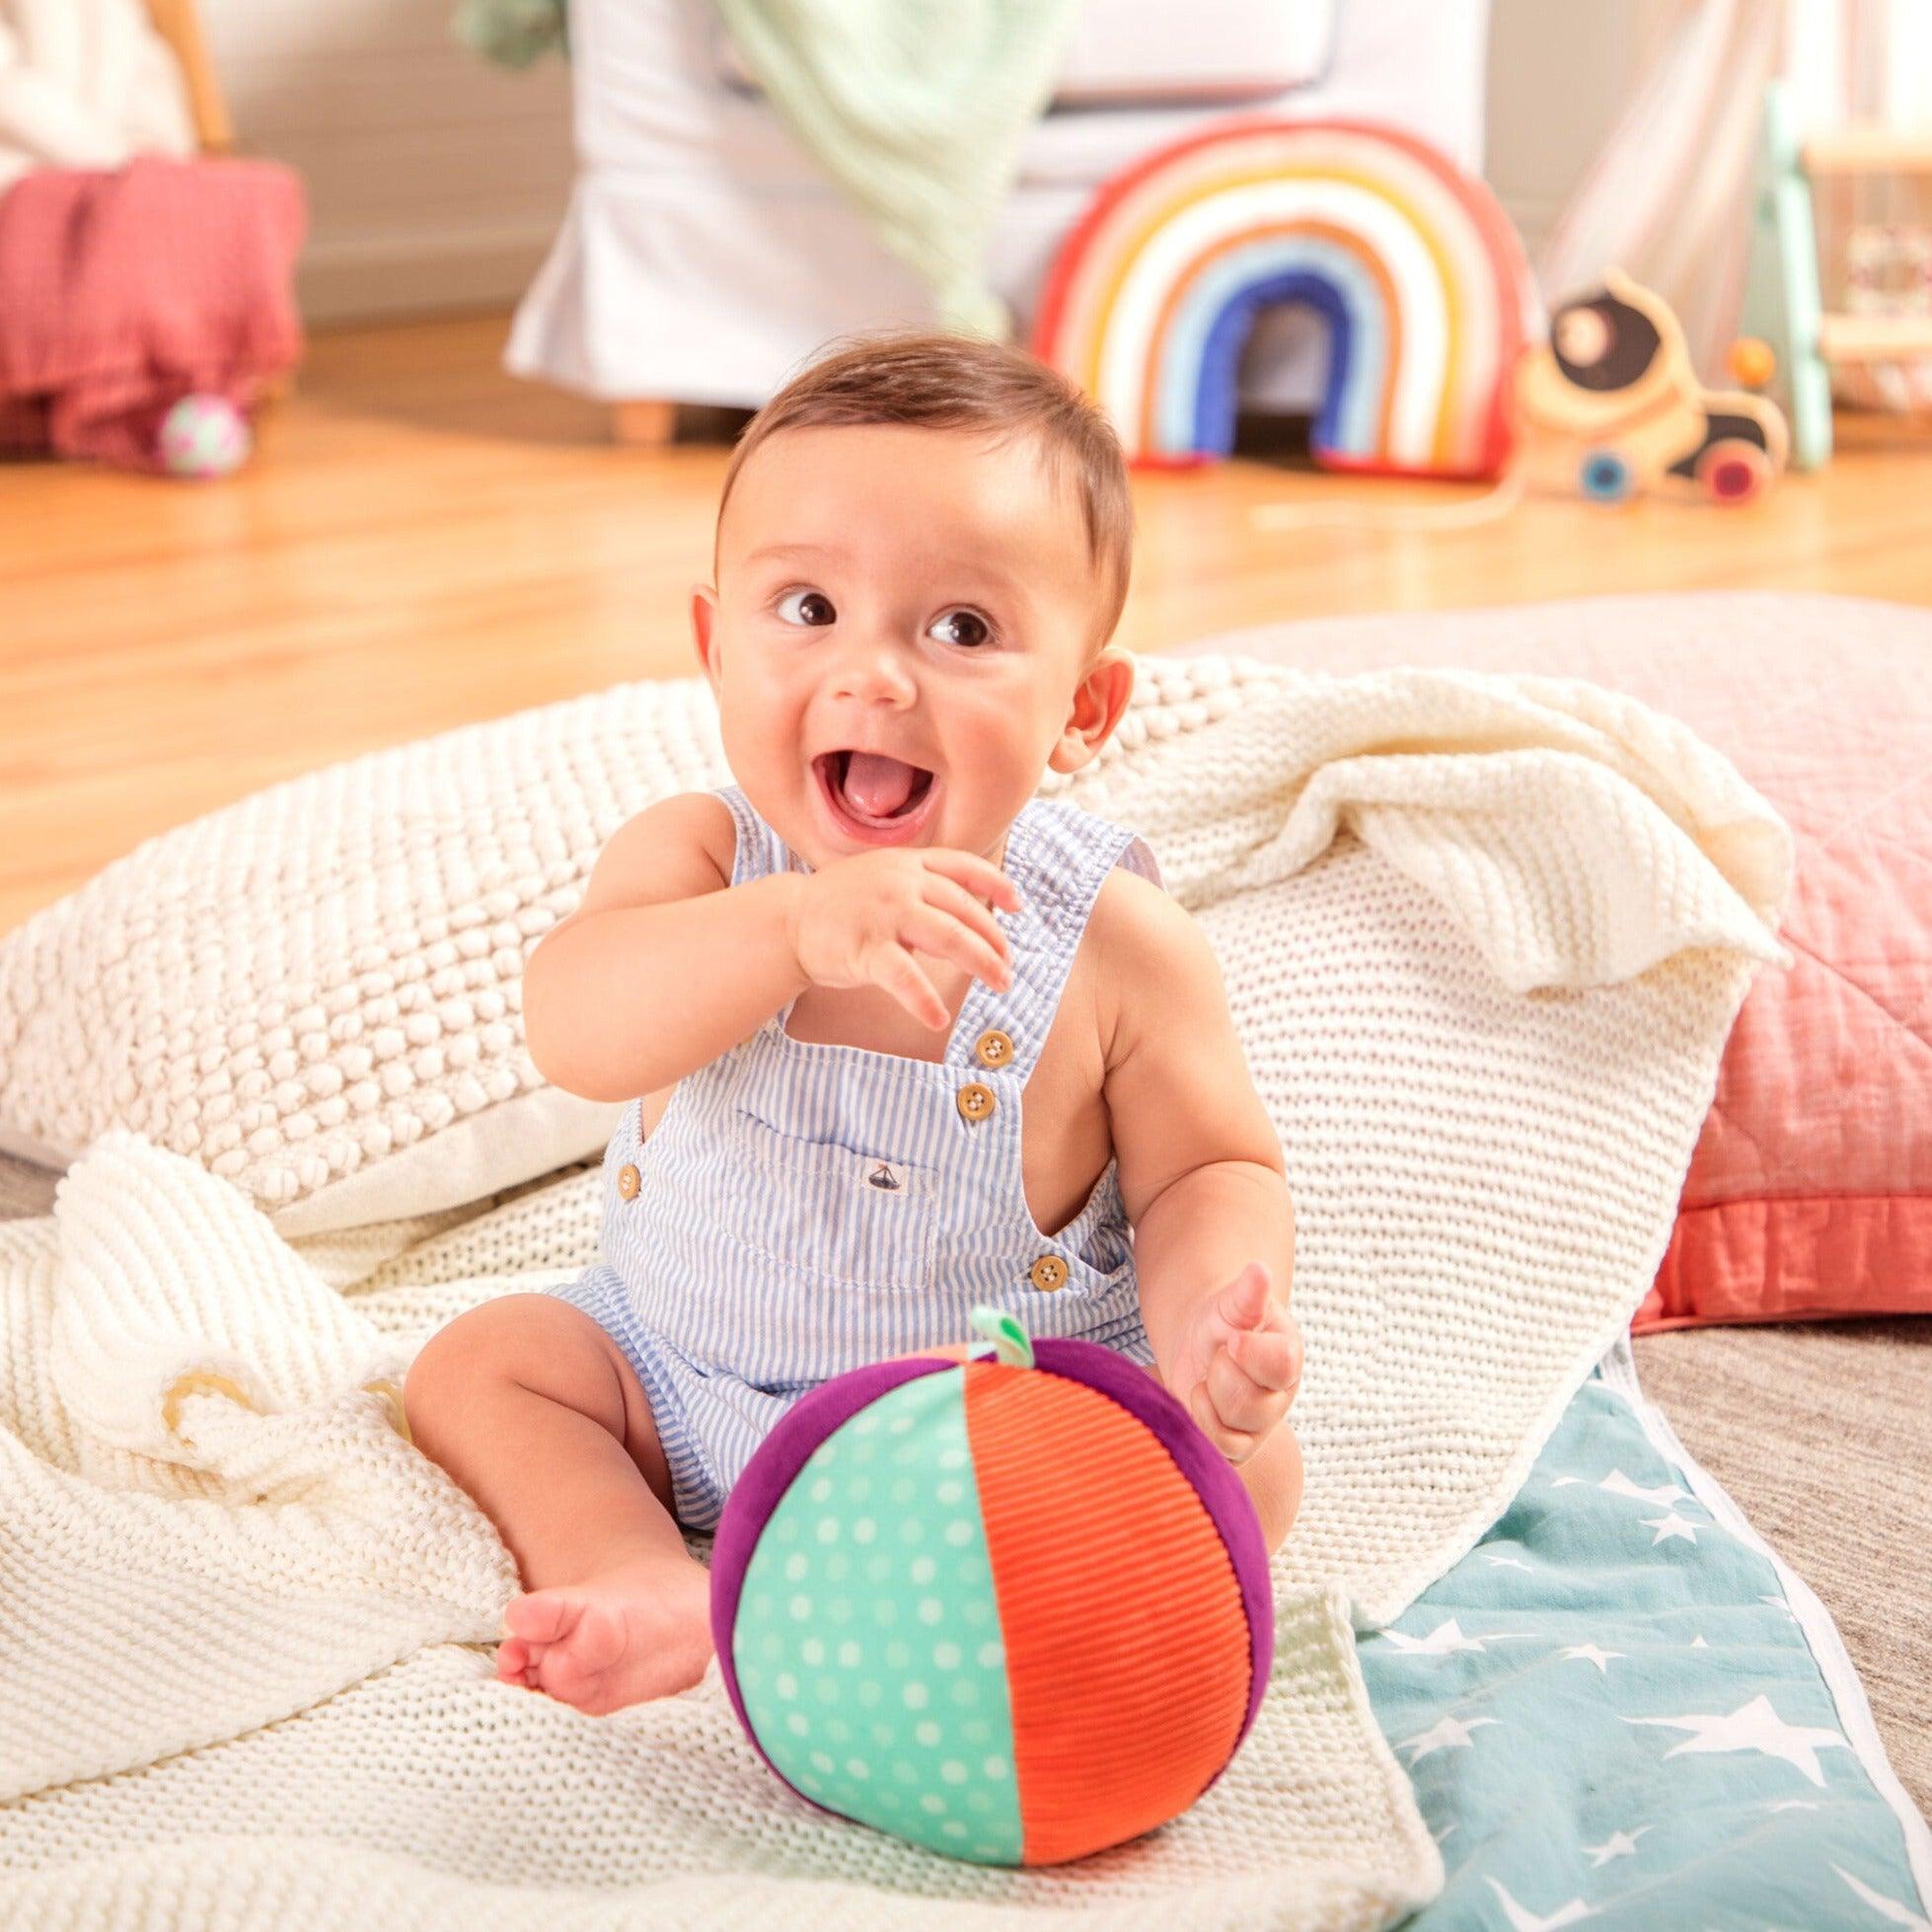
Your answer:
<point x="804" y="1207"/>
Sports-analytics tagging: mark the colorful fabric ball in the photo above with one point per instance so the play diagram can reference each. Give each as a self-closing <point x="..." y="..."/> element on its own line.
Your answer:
<point x="1014" y="1609"/>
<point x="204" y="436"/>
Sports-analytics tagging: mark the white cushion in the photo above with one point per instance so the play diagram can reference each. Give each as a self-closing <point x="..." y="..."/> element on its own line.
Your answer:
<point x="1150" y="51"/>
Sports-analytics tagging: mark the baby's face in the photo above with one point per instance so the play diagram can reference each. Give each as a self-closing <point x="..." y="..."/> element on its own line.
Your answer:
<point x="900" y="637"/>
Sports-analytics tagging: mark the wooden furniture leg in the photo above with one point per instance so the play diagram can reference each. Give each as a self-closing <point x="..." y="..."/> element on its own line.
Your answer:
<point x="178" y="23"/>
<point x="649" y="424"/>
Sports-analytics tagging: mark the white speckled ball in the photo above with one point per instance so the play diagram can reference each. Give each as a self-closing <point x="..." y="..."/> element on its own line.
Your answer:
<point x="204" y="436"/>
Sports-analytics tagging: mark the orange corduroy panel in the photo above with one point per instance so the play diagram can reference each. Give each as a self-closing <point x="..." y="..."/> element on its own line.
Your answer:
<point x="1126" y="1642"/>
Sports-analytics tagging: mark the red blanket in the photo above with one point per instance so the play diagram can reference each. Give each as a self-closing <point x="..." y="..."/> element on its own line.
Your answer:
<point x="123" y="291"/>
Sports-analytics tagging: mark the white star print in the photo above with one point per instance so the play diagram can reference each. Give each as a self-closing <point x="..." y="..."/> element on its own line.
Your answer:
<point x="1618" y="1484"/>
<point x="1698" y="1643"/>
<point x="1507" y="1562"/>
<point x="1442" y="1641"/>
<point x="1449" y="1734"/>
<point x="1670" y="1524"/>
<point x="1886" y="1908"/>
<point x="1619" y="1844"/>
<point x="1523" y="1920"/>
<point x="1754" y="1727"/>
<point x="1590" y="1654"/>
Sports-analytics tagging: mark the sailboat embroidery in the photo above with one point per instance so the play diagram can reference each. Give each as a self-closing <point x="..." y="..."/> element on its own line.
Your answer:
<point x="883" y="1177"/>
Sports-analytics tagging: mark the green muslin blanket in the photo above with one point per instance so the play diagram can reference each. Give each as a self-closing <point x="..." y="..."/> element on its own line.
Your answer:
<point x="917" y="108"/>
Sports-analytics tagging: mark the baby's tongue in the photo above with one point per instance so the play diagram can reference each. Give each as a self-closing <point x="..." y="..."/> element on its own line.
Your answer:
<point x="877" y="786"/>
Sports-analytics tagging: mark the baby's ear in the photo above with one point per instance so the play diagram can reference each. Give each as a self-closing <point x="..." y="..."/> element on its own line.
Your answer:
<point x="704" y="629"/>
<point x="1098" y="701"/>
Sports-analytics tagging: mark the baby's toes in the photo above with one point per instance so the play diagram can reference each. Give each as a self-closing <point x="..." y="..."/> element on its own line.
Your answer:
<point x="543" y="1616"/>
<point x="512" y="1660"/>
<point x="565" y="1673"/>
<point x="567" y="1682"/>
<point x="598" y="1639"/>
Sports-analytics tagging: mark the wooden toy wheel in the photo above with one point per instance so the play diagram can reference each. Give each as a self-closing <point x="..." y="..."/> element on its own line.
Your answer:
<point x="1604" y="477"/>
<point x="1734" y="470"/>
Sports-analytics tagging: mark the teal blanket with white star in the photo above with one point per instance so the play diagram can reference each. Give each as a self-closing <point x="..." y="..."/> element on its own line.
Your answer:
<point x="1622" y="1709"/>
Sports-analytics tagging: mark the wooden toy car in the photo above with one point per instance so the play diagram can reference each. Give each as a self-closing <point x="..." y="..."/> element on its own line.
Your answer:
<point x="1614" y="385"/>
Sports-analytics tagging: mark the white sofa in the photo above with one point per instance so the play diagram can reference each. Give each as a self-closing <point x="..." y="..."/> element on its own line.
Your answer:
<point x="705" y="257"/>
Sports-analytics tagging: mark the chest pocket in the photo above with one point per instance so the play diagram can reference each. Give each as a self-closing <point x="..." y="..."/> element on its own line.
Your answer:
<point x="844" y="1216"/>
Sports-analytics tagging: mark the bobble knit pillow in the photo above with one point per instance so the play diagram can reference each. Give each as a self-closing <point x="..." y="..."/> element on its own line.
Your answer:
<point x="317" y="991"/>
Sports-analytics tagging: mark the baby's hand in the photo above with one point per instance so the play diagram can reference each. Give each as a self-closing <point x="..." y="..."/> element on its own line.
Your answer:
<point x="858" y="921"/>
<point x="1240" y="1364"/>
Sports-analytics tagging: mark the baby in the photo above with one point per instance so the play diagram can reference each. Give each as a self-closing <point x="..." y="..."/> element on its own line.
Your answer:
<point x="896" y="1037"/>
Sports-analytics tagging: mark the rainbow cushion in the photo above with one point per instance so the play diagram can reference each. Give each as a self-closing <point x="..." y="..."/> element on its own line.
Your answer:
<point x="1412" y="265"/>
<point x="1014" y="1611"/>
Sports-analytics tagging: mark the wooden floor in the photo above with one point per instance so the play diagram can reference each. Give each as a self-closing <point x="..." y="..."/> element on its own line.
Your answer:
<point x="422" y="541"/>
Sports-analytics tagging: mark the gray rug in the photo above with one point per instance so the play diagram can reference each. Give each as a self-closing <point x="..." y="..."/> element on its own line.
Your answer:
<point x="1818" y="1434"/>
<point x="23" y="1189"/>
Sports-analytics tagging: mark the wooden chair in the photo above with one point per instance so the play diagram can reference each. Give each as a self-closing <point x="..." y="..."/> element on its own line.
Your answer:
<point x="649" y="424"/>
<point x="178" y="23"/>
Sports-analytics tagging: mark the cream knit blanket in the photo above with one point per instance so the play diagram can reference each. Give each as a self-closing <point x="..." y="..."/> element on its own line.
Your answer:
<point x="1483" y="937"/>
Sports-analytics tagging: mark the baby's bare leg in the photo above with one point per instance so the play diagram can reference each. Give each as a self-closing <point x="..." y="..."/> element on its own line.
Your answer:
<point x="533" y="1410"/>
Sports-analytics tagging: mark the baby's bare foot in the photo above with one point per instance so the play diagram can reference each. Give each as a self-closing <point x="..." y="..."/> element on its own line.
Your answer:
<point x="626" y="1635"/>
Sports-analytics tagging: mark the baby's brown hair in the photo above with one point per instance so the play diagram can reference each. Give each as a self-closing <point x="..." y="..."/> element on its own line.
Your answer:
<point x="932" y="381"/>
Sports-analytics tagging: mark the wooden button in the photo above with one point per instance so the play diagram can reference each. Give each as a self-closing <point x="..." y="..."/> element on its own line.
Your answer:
<point x="994" y="1048"/>
<point x="1048" y="1273"/>
<point x="975" y="1100"/>
<point x="627" y="1181"/>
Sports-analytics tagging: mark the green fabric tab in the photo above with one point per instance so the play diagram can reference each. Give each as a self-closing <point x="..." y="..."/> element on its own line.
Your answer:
<point x="1009" y="1340"/>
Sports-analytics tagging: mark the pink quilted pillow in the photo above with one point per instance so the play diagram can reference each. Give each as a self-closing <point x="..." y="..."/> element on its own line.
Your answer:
<point x="1810" y="1191"/>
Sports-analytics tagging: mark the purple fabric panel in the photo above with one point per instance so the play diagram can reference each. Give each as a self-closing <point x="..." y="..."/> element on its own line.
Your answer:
<point x="1225" y="1496"/>
<point x="773" y="1466"/>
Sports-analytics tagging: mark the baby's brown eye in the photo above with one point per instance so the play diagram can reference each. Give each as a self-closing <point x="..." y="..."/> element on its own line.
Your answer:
<point x="807" y="607"/>
<point x="961" y="628"/>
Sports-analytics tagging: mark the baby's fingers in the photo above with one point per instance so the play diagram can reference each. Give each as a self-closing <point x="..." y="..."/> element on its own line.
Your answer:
<point x="1234" y="1443"/>
<point x="930" y="931"/>
<point x="1241" y="1402"/>
<point x="1244" y="1300"/>
<point x="893" y="969"/>
<point x="978" y="875"/>
<point x="1271" y="1357"/>
<point x="949" y="897"/>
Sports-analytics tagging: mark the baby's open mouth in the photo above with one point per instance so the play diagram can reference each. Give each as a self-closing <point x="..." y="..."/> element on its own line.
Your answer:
<point x="870" y="788"/>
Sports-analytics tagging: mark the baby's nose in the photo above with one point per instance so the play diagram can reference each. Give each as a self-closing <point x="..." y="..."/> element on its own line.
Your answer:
<point x="874" y="671"/>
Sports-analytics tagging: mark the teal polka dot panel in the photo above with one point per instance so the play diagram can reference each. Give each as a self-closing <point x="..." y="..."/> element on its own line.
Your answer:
<point x="867" y="1646"/>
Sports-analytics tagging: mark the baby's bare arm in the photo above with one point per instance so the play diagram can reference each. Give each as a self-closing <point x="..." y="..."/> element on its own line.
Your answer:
<point x="1200" y="1166"/>
<point x="666" y="965"/>
<point x="662" y="968"/>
